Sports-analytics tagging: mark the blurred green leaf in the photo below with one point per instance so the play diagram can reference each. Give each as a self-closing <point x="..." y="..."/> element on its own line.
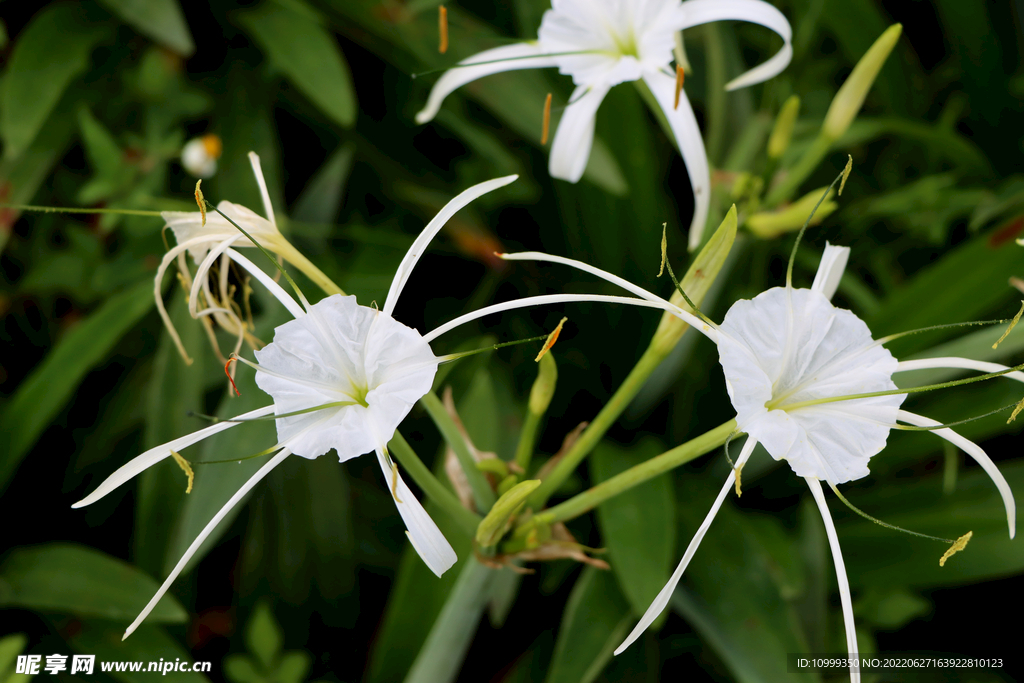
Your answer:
<point x="307" y="54"/>
<point x="161" y="20"/>
<point x="639" y="525"/>
<point x="73" y="579"/>
<point x="146" y="644"/>
<point x="10" y="647"/>
<point x="241" y="669"/>
<point x="596" y="620"/>
<point x="321" y="198"/>
<point x="890" y="608"/>
<point x="263" y="635"/>
<point x="293" y="667"/>
<point x="49" y="53"/>
<point x="48" y="387"/>
<point x="111" y="174"/>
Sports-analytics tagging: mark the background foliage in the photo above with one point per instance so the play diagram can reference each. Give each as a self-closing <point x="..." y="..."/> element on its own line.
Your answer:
<point x="313" y="578"/>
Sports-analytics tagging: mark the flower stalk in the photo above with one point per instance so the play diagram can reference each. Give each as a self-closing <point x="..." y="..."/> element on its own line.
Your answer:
<point x="483" y="495"/>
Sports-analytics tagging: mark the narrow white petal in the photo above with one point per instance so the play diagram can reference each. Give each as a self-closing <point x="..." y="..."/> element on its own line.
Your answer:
<point x="268" y="282"/>
<point x="666" y="593"/>
<point x="207" y="530"/>
<point x="605" y="275"/>
<point x="158" y="283"/>
<point x="558" y="299"/>
<point x="841" y="578"/>
<point x="257" y="170"/>
<point x="204" y="269"/>
<point x="426" y="538"/>
<point x="574" y="135"/>
<point x="705" y="11"/>
<point x="691" y="147"/>
<point x="953" y="362"/>
<point x="506" y="58"/>
<point x="830" y="270"/>
<point x="980" y="456"/>
<point x="419" y="245"/>
<point x="155" y="455"/>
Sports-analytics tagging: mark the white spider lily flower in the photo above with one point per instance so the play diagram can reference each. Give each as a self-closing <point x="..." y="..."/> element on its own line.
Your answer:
<point x="602" y="43"/>
<point x="209" y="236"/>
<point x="355" y="372"/>
<point x="790" y="358"/>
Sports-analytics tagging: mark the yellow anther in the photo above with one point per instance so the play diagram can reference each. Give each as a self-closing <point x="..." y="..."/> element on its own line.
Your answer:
<point x="664" y="249"/>
<point x="546" y="125"/>
<point x="201" y="201"/>
<point x="738" y="471"/>
<point x="1016" y="411"/>
<point x="1013" y="324"/>
<point x="550" y="341"/>
<point x="186" y="468"/>
<point x="680" y="77"/>
<point x="958" y="545"/>
<point x="213" y="145"/>
<point x="442" y="27"/>
<point x="846" y="173"/>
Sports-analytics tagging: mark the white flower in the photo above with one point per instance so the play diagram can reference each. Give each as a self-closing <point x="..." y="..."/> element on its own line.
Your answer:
<point x="602" y="43"/>
<point x="790" y="358"/>
<point x="199" y="156"/>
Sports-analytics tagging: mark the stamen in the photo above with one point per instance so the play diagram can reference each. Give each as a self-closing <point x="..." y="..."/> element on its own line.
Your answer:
<point x="664" y="248"/>
<point x="546" y="124"/>
<point x="228" y="373"/>
<point x="442" y="26"/>
<point x="680" y="77"/>
<point x="183" y="464"/>
<point x="915" y="428"/>
<point x="957" y="546"/>
<point x="931" y="328"/>
<point x="550" y="341"/>
<point x="1013" y="324"/>
<point x="201" y="201"/>
<point x="671" y="274"/>
<point x="456" y="356"/>
<point x="799" y="236"/>
<point x="893" y="526"/>
<point x="394" y="482"/>
<point x="1016" y="411"/>
<point x="62" y="209"/>
<point x="846" y="173"/>
<point x="738" y="470"/>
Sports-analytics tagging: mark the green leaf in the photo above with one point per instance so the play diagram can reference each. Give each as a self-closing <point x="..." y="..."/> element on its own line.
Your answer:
<point x="106" y="158"/>
<point x="639" y="525"/>
<point x="72" y="579"/>
<point x="241" y="669"/>
<point x="308" y="55"/>
<point x="321" y="198"/>
<point x="293" y="667"/>
<point x="890" y="608"/>
<point x="147" y="644"/>
<point x="48" y="387"/>
<point x="441" y="657"/>
<point x="161" y="20"/>
<point x="10" y="647"/>
<point x="263" y="636"/>
<point x="49" y="53"/>
<point x="596" y="620"/>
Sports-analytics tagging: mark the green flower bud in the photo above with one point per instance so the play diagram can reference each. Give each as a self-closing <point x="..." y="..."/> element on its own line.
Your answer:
<point x="544" y="386"/>
<point x="499" y="520"/>
<point x="782" y="131"/>
<point x="850" y="98"/>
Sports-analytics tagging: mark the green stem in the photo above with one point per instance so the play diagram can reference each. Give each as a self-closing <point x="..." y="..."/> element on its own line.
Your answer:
<point x="483" y="495"/>
<point x="527" y="440"/>
<point x="307" y="267"/>
<point x="596" y="430"/>
<point x="432" y="487"/>
<point x="718" y="114"/>
<point x="594" y="496"/>
<point x="784" y="191"/>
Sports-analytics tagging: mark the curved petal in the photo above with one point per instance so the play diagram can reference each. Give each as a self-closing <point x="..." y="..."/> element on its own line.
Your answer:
<point x="691" y="147"/>
<point x="155" y="455"/>
<point x="666" y="593"/>
<point x="830" y="270"/>
<point x="980" y="456"/>
<point x="419" y="245"/>
<point x="426" y="538"/>
<point x="954" y="362"/>
<point x="841" y="578"/>
<point x="207" y="530"/>
<point x="257" y="170"/>
<point x="506" y="58"/>
<point x="755" y="11"/>
<point x="203" y="270"/>
<point x="575" y="133"/>
<point x="268" y="282"/>
<point x="558" y="299"/>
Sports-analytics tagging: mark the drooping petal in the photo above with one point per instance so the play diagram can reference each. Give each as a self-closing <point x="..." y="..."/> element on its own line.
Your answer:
<point x="691" y="147"/>
<point x="419" y="245"/>
<point x="605" y="275"/>
<point x="426" y="538"/>
<point x="506" y="58"/>
<point x="202" y="272"/>
<point x="663" y="597"/>
<point x="830" y="270"/>
<point x="268" y="282"/>
<point x="960" y="363"/>
<point x="257" y="170"/>
<point x="705" y="11"/>
<point x="980" y="456"/>
<point x="154" y="455"/>
<point x="544" y="299"/>
<point x="207" y="530"/>
<point x="844" y="583"/>
<point x="575" y="133"/>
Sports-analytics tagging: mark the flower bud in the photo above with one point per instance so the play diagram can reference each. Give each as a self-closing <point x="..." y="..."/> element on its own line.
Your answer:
<point x="769" y="224"/>
<point x="850" y="98"/>
<point x="499" y="520"/>
<point x="782" y="131"/>
<point x="544" y="386"/>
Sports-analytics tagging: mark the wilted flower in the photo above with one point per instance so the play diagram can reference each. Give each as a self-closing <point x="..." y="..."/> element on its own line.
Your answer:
<point x="199" y="156"/>
<point x="810" y="384"/>
<point x="602" y="43"/>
